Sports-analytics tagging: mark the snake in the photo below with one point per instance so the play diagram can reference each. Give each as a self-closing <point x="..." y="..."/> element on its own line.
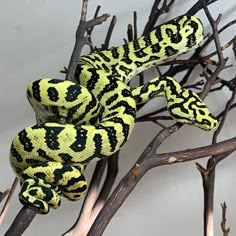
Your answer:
<point x="92" y="117"/>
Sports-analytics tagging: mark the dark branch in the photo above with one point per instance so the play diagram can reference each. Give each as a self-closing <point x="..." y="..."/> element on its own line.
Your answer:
<point x="226" y="111"/>
<point x="197" y="7"/>
<point x="223" y="222"/>
<point x="10" y="193"/>
<point x="105" y="45"/>
<point x="4" y="194"/>
<point x="22" y="221"/>
<point x="156" y="13"/>
<point x="112" y="171"/>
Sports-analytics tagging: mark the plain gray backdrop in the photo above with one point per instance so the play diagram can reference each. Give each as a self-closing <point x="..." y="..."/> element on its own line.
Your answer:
<point x="36" y="41"/>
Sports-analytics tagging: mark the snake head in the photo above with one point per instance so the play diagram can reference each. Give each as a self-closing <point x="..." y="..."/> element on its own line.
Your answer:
<point x="188" y="108"/>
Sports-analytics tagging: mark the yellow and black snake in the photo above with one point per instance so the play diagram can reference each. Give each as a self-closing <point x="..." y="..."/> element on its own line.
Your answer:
<point x="99" y="108"/>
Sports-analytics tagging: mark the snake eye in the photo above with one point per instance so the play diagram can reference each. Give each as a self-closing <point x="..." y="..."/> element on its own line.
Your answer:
<point x="192" y="120"/>
<point x="206" y="122"/>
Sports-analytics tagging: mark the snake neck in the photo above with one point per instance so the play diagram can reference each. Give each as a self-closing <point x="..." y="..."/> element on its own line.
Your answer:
<point x="158" y="87"/>
<point x="172" y="90"/>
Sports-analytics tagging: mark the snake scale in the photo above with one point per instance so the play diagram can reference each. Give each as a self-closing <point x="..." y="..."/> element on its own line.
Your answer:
<point x="99" y="107"/>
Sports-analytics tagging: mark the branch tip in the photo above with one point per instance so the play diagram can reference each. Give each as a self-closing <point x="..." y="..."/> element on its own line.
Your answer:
<point x="223" y="222"/>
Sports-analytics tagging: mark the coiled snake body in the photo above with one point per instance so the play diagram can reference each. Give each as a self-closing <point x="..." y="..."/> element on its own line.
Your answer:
<point x="99" y="109"/>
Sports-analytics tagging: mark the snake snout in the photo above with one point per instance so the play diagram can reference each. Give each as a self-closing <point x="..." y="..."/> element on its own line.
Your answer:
<point x="209" y="122"/>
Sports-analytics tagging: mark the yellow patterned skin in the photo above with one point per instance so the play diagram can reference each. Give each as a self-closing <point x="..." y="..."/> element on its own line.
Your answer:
<point x="179" y="100"/>
<point x="99" y="109"/>
<point x="53" y="99"/>
<point x="165" y="43"/>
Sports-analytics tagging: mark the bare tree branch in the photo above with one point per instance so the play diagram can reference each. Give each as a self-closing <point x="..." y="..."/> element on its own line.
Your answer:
<point x="198" y="6"/>
<point x="148" y="160"/>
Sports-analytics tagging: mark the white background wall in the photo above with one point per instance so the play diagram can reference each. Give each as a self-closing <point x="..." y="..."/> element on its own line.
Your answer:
<point x="36" y="40"/>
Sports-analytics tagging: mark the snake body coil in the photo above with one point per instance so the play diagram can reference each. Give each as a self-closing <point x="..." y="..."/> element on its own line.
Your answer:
<point x="99" y="109"/>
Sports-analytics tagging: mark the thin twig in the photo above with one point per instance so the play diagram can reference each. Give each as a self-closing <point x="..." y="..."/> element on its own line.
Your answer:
<point x="223" y="222"/>
<point x="197" y="7"/>
<point x="201" y="59"/>
<point x="226" y="110"/>
<point x="4" y="194"/>
<point x="156" y="13"/>
<point x="9" y="198"/>
<point x="222" y="60"/>
<point x="90" y="30"/>
<point x="234" y="49"/>
<point x="153" y="118"/>
<point x="105" y="45"/>
<point x="159" y="123"/>
<point x="152" y="17"/>
<point x="135" y="25"/>
<point x="229" y="84"/>
<point x="81" y="40"/>
<point x="219" y="116"/>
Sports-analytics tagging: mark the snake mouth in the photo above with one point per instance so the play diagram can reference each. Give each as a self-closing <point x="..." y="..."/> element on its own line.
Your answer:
<point x="206" y="125"/>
